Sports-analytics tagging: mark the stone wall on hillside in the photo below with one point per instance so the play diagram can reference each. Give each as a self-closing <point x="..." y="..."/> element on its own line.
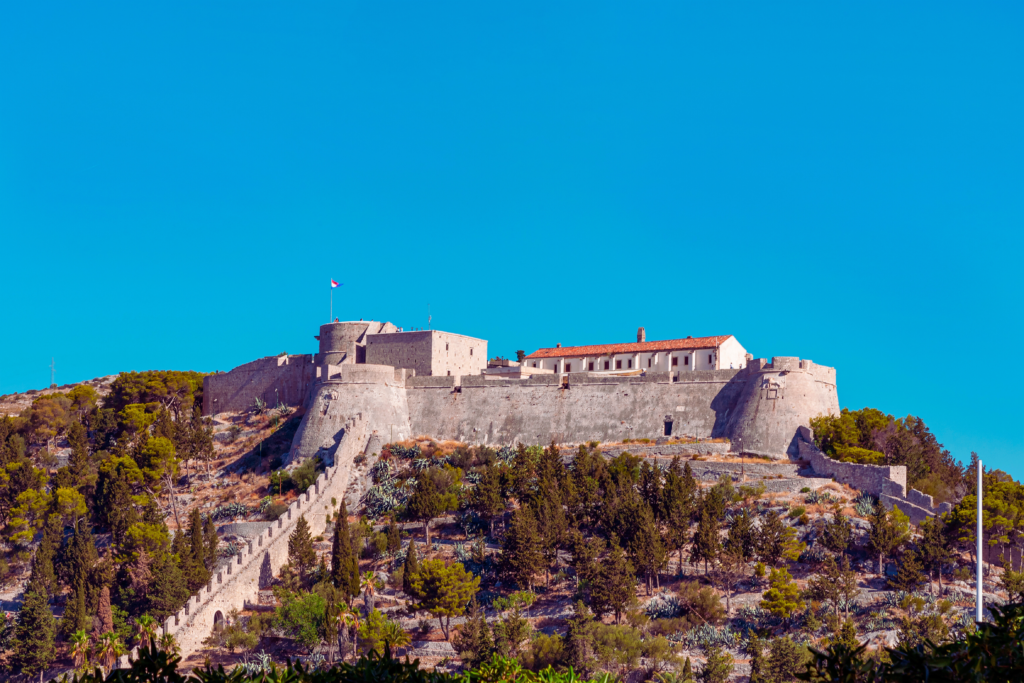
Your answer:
<point x="254" y="568"/>
<point x="887" y="483"/>
<point x="287" y="379"/>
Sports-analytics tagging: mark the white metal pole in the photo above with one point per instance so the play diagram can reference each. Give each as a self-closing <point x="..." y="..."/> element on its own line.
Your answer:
<point x="979" y="599"/>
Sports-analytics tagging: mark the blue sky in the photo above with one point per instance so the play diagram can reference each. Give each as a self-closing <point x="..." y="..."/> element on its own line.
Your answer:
<point x="836" y="181"/>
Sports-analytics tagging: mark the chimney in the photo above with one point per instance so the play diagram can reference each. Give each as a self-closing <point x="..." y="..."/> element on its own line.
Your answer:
<point x="641" y="335"/>
<point x="558" y="345"/>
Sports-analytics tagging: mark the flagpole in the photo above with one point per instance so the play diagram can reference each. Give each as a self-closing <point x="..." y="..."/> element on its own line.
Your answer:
<point x="331" y="319"/>
<point x="979" y="606"/>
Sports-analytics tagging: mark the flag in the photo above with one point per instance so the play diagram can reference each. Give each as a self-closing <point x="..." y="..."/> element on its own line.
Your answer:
<point x="334" y="284"/>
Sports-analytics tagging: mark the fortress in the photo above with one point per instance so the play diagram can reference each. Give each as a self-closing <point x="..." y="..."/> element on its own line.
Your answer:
<point x="371" y="383"/>
<point x="437" y="384"/>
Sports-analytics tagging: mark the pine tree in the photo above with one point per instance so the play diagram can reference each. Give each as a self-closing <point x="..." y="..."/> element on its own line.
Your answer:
<point x="551" y="522"/>
<point x="473" y="640"/>
<point x="42" y="561"/>
<point x="836" y="585"/>
<point x="79" y="463"/>
<point x="741" y="539"/>
<point x="79" y="556"/>
<point x="521" y="549"/>
<point x="212" y="543"/>
<point x="651" y="488"/>
<point x="35" y="631"/>
<point x="783" y="661"/>
<point x="758" y="666"/>
<point x="486" y="497"/>
<point x="425" y="503"/>
<point x="616" y="580"/>
<point x="579" y="640"/>
<point x="783" y="598"/>
<point x="394" y="537"/>
<point x="199" y="575"/>
<point x="169" y="590"/>
<point x="76" y="616"/>
<point x="909" y="574"/>
<point x="885" y="537"/>
<point x="838" y="532"/>
<point x="705" y="540"/>
<point x="344" y="564"/>
<point x="301" y="553"/>
<point x="776" y="541"/>
<point x="647" y="548"/>
<point x="687" y="676"/>
<point x="718" y="667"/>
<point x="934" y="553"/>
<point x="410" y="569"/>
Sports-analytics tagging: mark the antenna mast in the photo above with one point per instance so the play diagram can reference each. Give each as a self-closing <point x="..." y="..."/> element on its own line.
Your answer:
<point x="53" y="372"/>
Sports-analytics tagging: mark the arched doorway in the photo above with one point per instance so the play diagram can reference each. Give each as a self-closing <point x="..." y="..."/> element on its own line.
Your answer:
<point x="218" y="621"/>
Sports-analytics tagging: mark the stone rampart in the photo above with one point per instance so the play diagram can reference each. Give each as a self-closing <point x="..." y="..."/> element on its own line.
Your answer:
<point x="887" y="483"/>
<point x="878" y="480"/>
<point x="239" y="582"/>
<point x="287" y="379"/>
<point x="574" y="408"/>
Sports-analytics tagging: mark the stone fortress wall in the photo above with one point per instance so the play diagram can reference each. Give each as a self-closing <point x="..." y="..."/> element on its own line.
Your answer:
<point x="237" y="584"/>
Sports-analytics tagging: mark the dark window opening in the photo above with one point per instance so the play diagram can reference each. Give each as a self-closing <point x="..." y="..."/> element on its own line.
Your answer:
<point x="606" y="365"/>
<point x="686" y="361"/>
<point x="648" y="362"/>
<point x="471" y="352"/>
<point x="446" y="347"/>
<point x="675" y="361"/>
<point x="709" y="359"/>
<point x="449" y="374"/>
<point x="568" y="367"/>
<point x="618" y="365"/>
<point x="590" y="366"/>
<point x="668" y="428"/>
<point x="630" y="363"/>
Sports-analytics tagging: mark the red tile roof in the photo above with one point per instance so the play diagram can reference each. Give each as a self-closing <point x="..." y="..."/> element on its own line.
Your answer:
<point x="634" y="347"/>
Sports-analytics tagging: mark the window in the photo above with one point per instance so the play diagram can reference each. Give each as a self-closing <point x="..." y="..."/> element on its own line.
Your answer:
<point x="668" y="428"/>
<point x="590" y="366"/>
<point x="631" y="363"/>
<point x="606" y="365"/>
<point x="675" y="361"/>
<point x="648" y="362"/>
<point x="709" y="359"/>
<point x="686" y="361"/>
<point x="534" y="365"/>
<point x="618" y="365"/>
<point x="446" y="346"/>
<point x="471" y="352"/>
<point x="449" y="373"/>
<point x="568" y="367"/>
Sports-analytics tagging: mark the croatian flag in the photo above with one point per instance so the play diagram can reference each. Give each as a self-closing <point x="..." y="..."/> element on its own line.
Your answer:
<point x="334" y="284"/>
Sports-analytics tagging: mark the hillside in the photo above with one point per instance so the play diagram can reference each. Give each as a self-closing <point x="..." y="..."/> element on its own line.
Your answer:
<point x="631" y="558"/>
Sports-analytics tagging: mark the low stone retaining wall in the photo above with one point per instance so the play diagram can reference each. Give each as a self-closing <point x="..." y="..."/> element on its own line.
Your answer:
<point x="669" y="449"/>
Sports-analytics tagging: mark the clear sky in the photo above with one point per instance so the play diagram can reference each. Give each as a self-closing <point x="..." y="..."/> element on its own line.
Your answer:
<point x="837" y="181"/>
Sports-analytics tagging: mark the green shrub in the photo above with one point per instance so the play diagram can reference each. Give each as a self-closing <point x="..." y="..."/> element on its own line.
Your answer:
<point x="304" y="475"/>
<point x="275" y="510"/>
<point x="806" y="489"/>
<point x="797" y="511"/>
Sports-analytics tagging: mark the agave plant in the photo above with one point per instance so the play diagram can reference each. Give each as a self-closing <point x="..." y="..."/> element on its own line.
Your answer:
<point x="663" y="607"/>
<point x="506" y="454"/>
<point x="259" y="406"/>
<point x="864" y="505"/>
<point x="381" y="471"/>
<point x="473" y="477"/>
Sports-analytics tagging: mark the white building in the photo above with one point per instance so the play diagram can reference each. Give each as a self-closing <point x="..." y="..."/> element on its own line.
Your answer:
<point x="672" y="355"/>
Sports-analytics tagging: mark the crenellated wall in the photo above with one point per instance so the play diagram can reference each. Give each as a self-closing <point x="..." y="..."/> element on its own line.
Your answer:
<point x="254" y="568"/>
